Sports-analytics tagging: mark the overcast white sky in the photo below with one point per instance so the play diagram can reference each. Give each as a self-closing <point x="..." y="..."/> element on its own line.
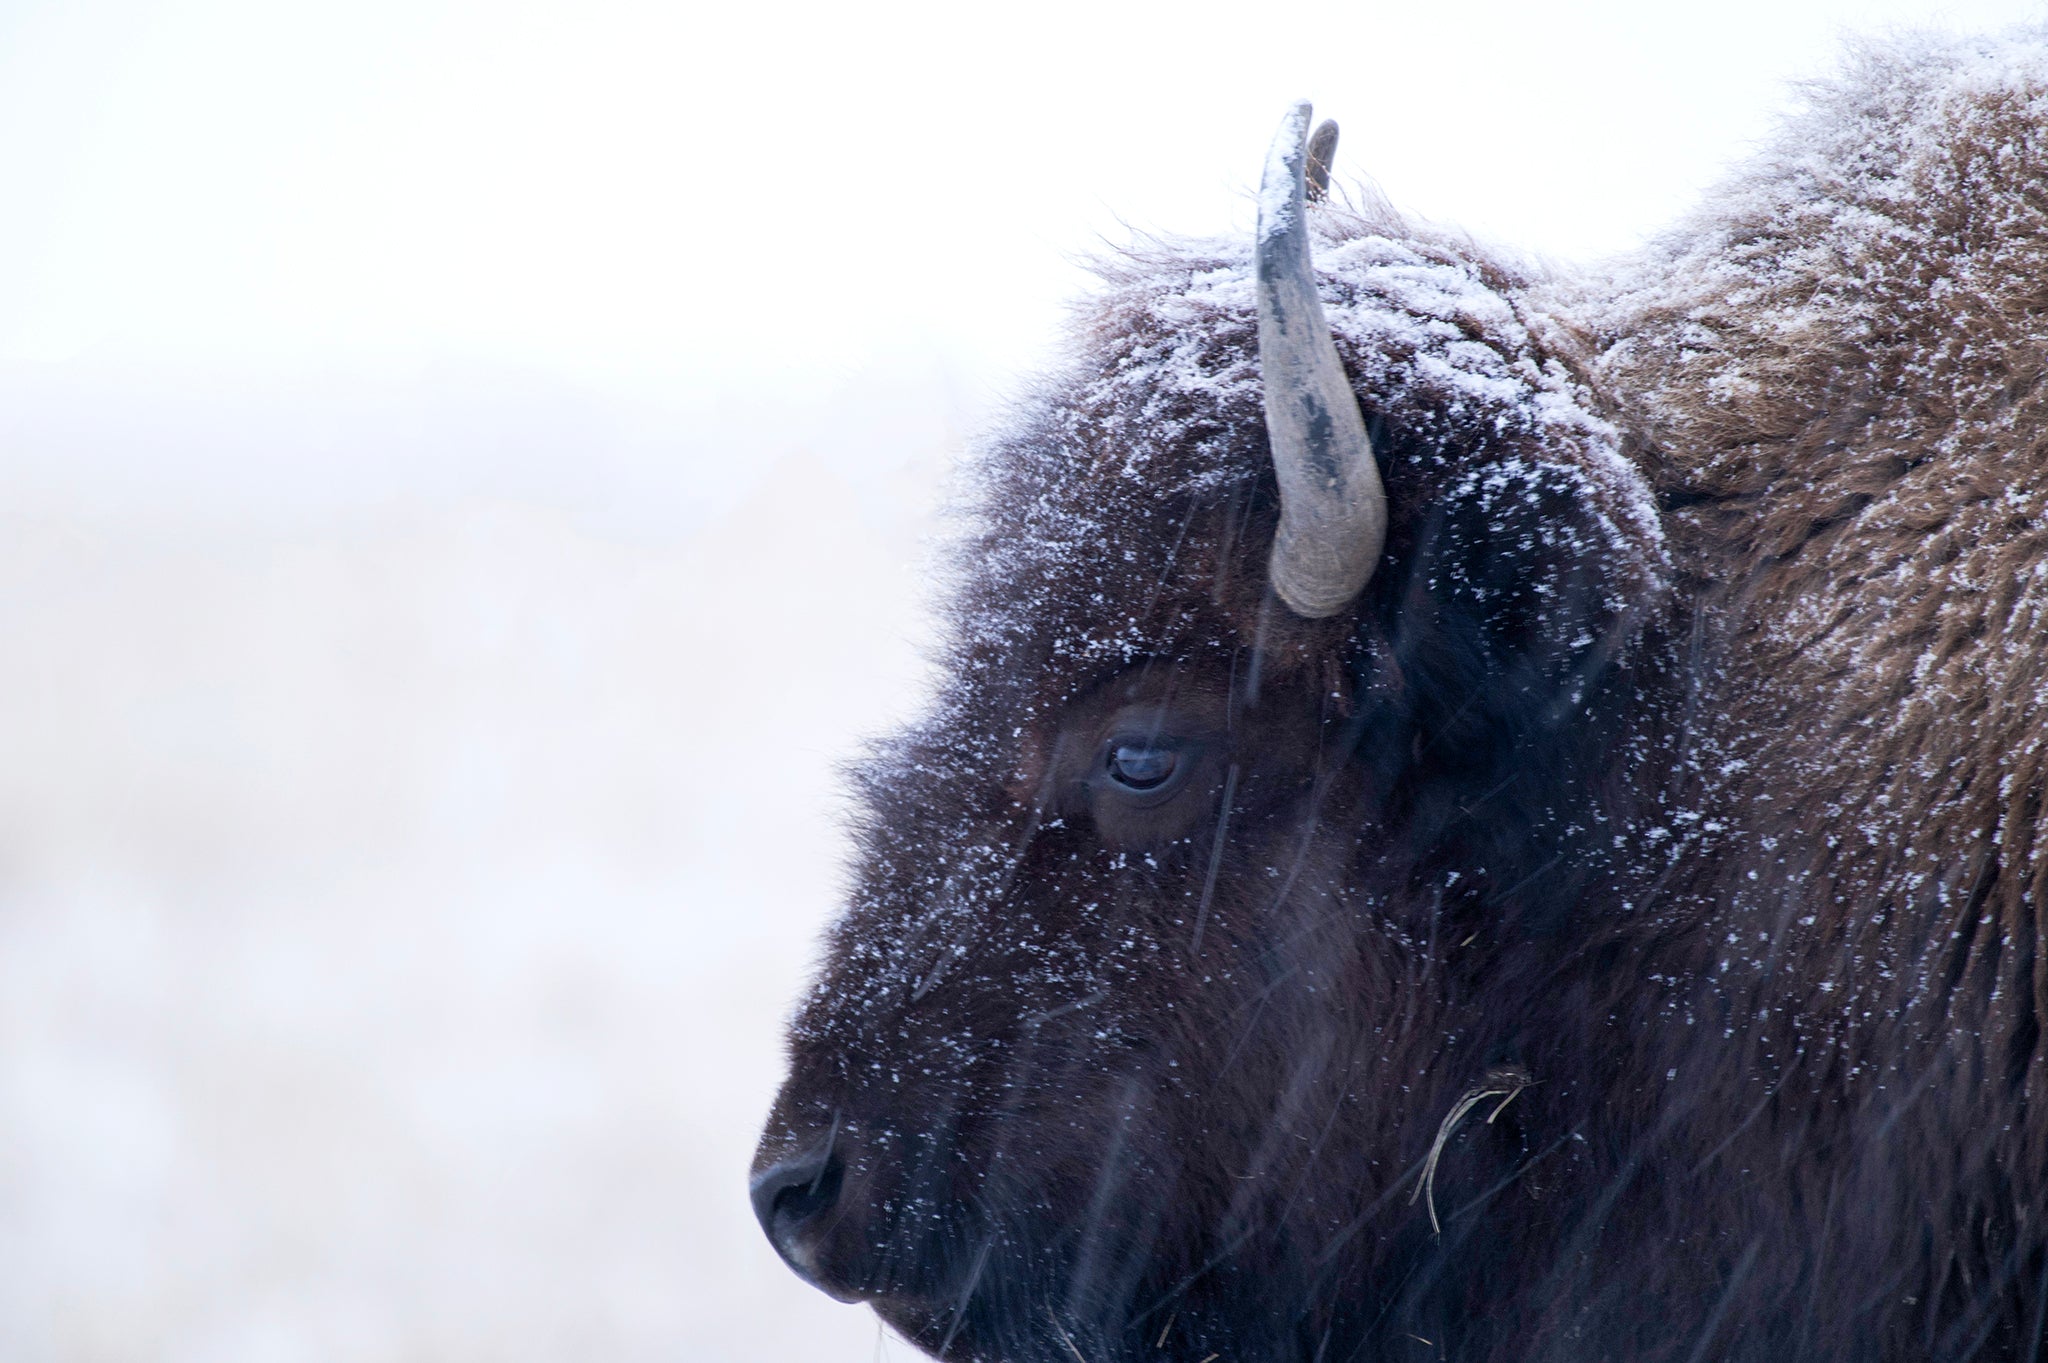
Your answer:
<point x="689" y="201"/>
<point x="409" y="837"/>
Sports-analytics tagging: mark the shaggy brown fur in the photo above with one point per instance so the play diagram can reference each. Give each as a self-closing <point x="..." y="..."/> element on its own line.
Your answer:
<point x="1684" y="756"/>
<point x="1835" y="380"/>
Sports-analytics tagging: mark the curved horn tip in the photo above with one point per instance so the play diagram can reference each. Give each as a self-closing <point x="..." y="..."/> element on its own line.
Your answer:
<point x="1283" y="186"/>
<point x="1322" y="154"/>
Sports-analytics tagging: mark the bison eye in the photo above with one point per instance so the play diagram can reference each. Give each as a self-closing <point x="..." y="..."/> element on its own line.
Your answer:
<point x="1142" y="767"/>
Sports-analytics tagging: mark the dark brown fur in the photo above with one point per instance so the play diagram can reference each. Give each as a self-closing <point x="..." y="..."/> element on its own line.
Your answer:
<point x="1716" y="816"/>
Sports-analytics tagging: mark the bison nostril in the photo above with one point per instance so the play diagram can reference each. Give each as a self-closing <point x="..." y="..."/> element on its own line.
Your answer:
<point x="792" y="1199"/>
<point x="803" y="1200"/>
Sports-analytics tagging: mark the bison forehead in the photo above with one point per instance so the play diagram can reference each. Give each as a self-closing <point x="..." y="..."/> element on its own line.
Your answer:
<point x="1165" y="385"/>
<point x="1124" y="510"/>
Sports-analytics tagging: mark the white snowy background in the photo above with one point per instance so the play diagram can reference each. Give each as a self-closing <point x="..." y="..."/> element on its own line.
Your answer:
<point x="464" y="475"/>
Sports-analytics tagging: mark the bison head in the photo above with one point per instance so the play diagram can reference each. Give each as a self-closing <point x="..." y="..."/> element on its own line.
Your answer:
<point x="1290" y="670"/>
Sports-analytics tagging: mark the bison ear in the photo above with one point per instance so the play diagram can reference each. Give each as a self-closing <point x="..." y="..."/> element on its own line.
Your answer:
<point x="1521" y="586"/>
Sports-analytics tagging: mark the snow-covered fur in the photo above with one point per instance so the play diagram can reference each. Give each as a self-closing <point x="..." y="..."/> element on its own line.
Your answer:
<point x="1834" y="378"/>
<point x="1674" y="786"/>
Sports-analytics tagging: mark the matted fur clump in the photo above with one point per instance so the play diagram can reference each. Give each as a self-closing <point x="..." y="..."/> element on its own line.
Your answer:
<point x="1615" y="935"/>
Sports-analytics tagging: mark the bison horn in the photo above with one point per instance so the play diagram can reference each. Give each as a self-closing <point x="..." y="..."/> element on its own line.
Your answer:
<point x="1333" y="511"/>
<point x="1322" y="154"/>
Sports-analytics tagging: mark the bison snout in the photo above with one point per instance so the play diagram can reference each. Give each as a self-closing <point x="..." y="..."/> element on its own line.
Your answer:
<point x="797" y="1202"/>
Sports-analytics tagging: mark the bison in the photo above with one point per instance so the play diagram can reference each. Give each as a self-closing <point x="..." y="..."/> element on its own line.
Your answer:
<point x="1483" y="814"/>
